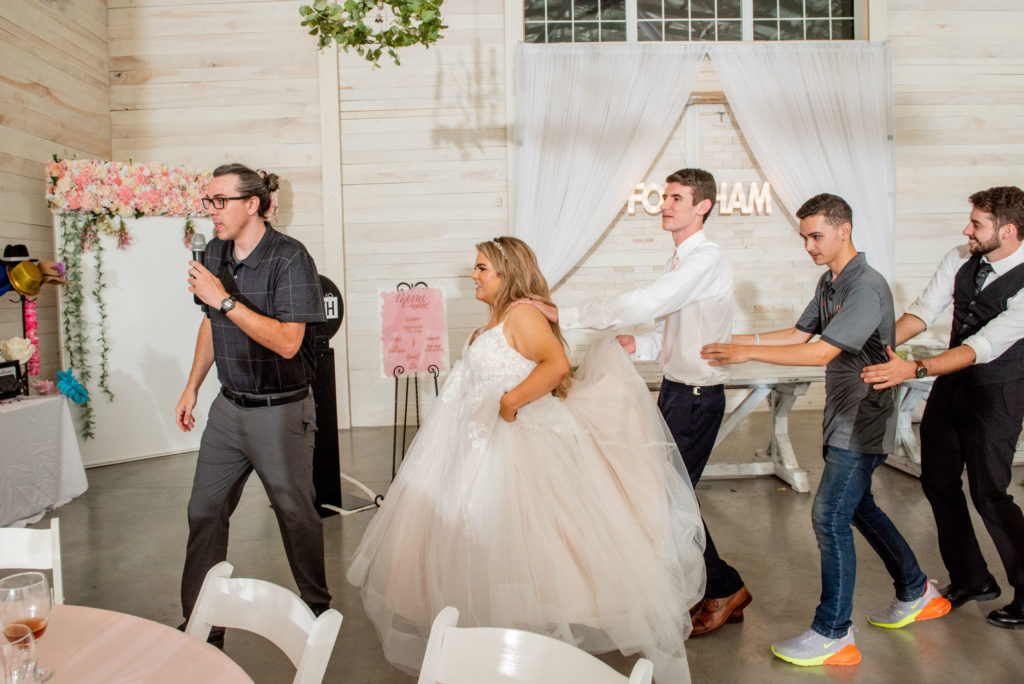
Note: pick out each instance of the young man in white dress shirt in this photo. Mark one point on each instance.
(692, 303)
(974, 412)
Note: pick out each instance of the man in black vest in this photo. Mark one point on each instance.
(974, 413)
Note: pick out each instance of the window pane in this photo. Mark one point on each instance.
(730, 30)
(613, 32)
(613, 9)
(648, 30)
(702, 30)
(790, 30)
(559, 32)
(766, 8)
(816, 8)
(534, 33)
(584, 9)
(842, 30)
(588, 32)
(702, 8)
(559, 9)
(533, 9)
(817, 30)
(648, 9)
(791, 8)
(766, 30)
(677, 30)
(842, 8)
(729, 9)
(677, 9)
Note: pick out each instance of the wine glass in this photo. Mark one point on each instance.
(20, 654)
(25, 599)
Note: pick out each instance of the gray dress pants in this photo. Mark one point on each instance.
(276, 442)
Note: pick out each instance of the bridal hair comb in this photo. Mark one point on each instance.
(500, 248)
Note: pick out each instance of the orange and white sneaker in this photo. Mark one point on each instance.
(902, 613)
(811, 648)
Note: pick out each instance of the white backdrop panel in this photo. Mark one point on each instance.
(152, 326)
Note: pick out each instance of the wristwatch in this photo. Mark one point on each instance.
(227, 305)
(921, 370)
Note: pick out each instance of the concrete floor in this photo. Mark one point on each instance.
(123, 543)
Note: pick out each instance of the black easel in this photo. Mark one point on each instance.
(398, 371)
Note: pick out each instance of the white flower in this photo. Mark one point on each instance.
(17, 349)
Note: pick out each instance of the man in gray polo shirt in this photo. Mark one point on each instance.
(259, 290)
(852, 311)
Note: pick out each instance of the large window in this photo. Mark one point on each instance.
(583, 21)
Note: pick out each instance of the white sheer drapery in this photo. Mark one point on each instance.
(590, 119)
(817, 118)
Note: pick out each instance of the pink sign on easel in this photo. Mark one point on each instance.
(412, 331)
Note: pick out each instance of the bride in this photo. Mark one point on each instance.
(533, 501)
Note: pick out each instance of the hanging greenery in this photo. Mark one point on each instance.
(92, 198)
(373, 26)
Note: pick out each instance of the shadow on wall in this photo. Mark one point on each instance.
(474, 90)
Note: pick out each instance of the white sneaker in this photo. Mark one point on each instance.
(811, 648)
(902, 613)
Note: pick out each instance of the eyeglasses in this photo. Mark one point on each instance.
(219, 202)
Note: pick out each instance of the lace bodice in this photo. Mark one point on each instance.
(492, 366)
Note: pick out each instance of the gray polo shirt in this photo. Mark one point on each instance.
(278, 280)
(855, 313)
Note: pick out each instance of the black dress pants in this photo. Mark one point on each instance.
(693, 416)
(973, 427)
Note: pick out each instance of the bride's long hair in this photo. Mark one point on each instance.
(516, 265)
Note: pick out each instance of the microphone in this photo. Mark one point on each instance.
(198, 253)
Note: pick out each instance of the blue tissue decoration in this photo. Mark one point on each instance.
(69, 385)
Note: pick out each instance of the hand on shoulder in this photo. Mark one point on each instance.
(549, 311)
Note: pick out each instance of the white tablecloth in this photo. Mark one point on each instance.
(40, 465)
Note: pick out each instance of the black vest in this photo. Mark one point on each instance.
(970, 314)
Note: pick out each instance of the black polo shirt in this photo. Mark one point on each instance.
(854, 312)
(278, 279)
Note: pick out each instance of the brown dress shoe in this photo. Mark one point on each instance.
(695, 607)
(714, 613)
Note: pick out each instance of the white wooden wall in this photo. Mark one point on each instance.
(54, 98)
(207, 82)
(425, 178)
(423, 161)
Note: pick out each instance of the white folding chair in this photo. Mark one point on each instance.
(271, 611)
(27, 549)
(491, 655)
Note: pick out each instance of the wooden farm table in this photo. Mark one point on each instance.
(781, 385)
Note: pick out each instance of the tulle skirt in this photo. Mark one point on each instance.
(577, 520)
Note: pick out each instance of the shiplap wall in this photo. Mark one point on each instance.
(54, 98)
(424, 175)
(958, 82)
(203, 82)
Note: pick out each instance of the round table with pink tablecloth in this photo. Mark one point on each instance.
(84, 645)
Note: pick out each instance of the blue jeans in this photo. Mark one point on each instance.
(844, 496)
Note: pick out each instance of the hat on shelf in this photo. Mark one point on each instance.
(15, 253)
(25, 277)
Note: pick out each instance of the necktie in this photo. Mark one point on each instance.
(664, 332)
(984, 268)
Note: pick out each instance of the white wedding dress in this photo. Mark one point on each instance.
(572, 521)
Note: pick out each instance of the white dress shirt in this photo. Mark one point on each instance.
(1000, 333)
(693, 307)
